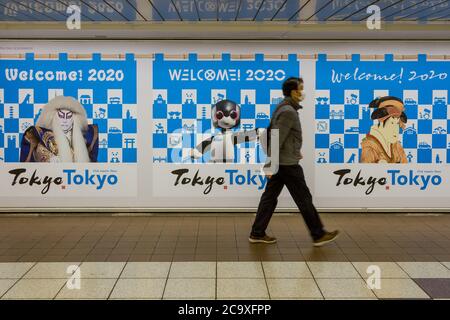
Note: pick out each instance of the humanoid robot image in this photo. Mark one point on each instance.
(226, 115)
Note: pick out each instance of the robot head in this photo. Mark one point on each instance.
(226, 114)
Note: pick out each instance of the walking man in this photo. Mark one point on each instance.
(290, 173)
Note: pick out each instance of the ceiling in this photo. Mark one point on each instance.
(224, 18)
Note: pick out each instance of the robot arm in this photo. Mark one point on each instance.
(245, 136)
(201, 148)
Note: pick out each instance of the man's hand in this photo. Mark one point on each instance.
(267, 171)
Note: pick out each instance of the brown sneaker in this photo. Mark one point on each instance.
(264, 239)
(326, 238)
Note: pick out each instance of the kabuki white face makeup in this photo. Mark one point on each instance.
(65, 119)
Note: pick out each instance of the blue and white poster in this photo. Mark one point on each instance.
(68, 116)
(184, 95)
(382, 120)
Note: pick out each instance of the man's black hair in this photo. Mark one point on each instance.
(290, 84)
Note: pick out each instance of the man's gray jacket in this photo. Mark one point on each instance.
(285, 118)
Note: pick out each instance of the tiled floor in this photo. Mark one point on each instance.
(209, 257)
(222, 280)
(365, 237)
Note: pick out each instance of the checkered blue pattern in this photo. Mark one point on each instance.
(342, 116)
(182, 108)
(110, 105)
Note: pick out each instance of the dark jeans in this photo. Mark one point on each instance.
(294, 179)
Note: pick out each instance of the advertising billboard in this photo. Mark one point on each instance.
(68, 126)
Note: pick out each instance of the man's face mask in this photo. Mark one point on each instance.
(302, 96)
(298, 94)
(65, 119)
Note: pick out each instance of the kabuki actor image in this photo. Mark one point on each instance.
(381, 144)
(61, 134)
